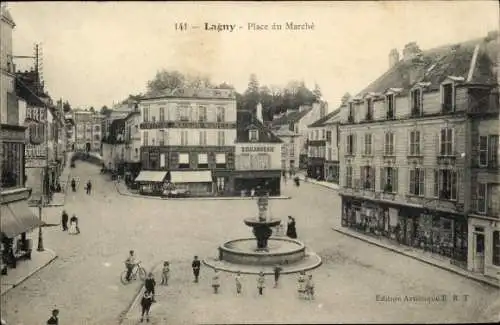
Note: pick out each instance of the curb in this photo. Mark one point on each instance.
(319, 184)
(215, 198)
(471, 277)
(124, 314)
(54, 256)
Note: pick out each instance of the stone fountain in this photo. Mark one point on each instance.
(264, 251)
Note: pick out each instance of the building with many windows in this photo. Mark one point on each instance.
(132, 145)
(113, 147)
(88, 127)
(419, 153)
(188, 140)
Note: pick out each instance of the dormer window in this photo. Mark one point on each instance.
(416, 102)
(389, 99)
(369, 109)
(253, 135)
(350, 117)
(447, 98)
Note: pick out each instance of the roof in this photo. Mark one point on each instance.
(28, 94)
(247, 121)
(322, 121)
(7, 17)
(116, 132)
(291, 117)
(435, 65)
(132, 114)
(205, 93)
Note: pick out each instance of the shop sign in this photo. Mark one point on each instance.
(257, 149)
(35, 163)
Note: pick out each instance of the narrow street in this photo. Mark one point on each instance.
(84, 281)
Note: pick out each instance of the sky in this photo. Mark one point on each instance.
(97, 53)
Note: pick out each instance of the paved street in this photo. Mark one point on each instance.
(84, 281)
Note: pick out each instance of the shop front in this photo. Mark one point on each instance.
(484, 245)
(197, 182)
(151, 182)
(316, 168)
(223, 182)
(248, 182)
(332, 171)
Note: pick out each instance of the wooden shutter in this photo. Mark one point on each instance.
(373, 177)
(411, 181)
(354, 146)
(422, 181)
(436, 183)
(395, 180)
(382, 179)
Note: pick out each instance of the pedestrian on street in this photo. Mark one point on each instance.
(196, 265)
(237, 280)
(73, 185)
(89, 187)
(130, 263)
(165, 273)
(75, 229)
(216, 281)
(291, 231)
(277, 273)
(54, 319)
(146, 301)
(310, 287)
(261, 283)
(64, 220)
(301, 284)
(150, 284)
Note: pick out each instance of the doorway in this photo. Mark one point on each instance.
(87, 147)
(478, 259)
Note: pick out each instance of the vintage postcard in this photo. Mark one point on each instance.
(250, 162)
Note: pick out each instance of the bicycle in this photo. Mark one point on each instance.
(137, 271)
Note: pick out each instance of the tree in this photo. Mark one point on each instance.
(317, 93)
(225, 85)
(105, 111)
(91, 109)
(66, 107)
(251, 95)
(166, 80)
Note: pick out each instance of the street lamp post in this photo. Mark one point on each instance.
(40, 235)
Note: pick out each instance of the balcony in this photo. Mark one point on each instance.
(390, 114)
(447, 108)
(446, 159)
(416, 112)
(480, 105)
(350, 119)
(369, 117)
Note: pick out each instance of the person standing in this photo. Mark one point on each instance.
(150, 284)
(277, 272)
(64, 220)
(301, 284)
(75, 229)
(261, 283)
(89, 187)
(216, 281)
(310, 287)
(130, 263)
(165, 273)
(54, 319)
(146, 301)
(196, 265)
(237, 280)
(73, 185)
(291, 231)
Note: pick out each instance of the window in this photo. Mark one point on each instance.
(493, 151)
(184, 137)
(389, 144)
(220, 138)
(368, 144)
(390, 105)
(481, 205)
(12, 164)
(416, 102)
(202, 160)
(483, 151)
(183, 160)
(220, 160)
(292, 148)
(329, 153)
(446, 140)
(316, 135)
(329, 136)
(368, 178)
(254, 135)
(183, 113)
(350, 118)
(162, 160)
(221, 114)
(161, 137)
(202, 114)
(203, 138)
(447, 184)
(221, 184)
(348, 176)
(97, 128)
(389, 180)
(323, 134)
(417, 182)
(162, 114)
(415, 143)
(291, 126)
(260, 161)
(96, 137)
(496, 248)
(369, 109)
(146, 113)
(136, 150)
(145, 138)
(447, 93)
(351, 144)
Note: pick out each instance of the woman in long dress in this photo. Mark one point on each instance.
(290, 230)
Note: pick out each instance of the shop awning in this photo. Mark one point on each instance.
(17, 218)
(151, 176)
(191, 176)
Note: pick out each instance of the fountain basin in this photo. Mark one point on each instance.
(255, 222)
(279, 251)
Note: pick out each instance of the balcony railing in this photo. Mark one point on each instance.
(446, 107)
(390, 114)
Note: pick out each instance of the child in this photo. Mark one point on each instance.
(310, 287)
(277, 273)
(216, 281)
(260, 283)
(237, 280)
(146, 301)
(165, 272)
(301, 285)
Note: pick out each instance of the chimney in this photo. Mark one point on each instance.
(410, 51)
(259, 112)
(393, 58)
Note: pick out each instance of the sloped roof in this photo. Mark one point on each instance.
(436, 64)
(245, 121)
(7, 16)
(116, 132)
(291, 117)
(207, 93)
(322, 121)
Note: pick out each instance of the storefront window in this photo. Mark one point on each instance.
(496, 248)
(12, 162)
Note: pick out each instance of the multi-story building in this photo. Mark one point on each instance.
(257, 157)
(321, 148)
(88, 135)
(17, 219)
(119, 111)
(409, 160)
(291, 128)
(113, 147)
(188, 139)
(132, 144)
